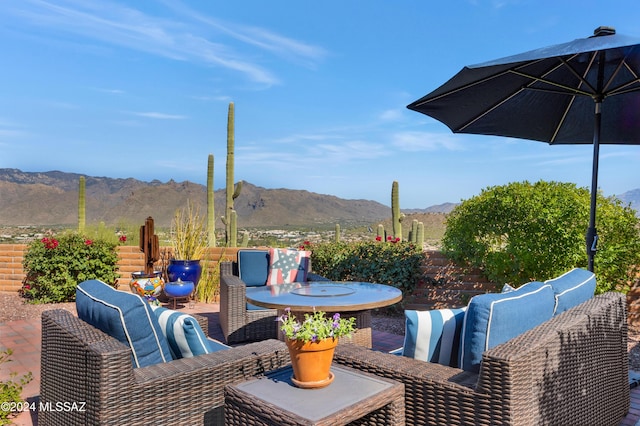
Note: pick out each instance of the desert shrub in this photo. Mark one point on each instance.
(393, 263)
(208, 288)
(123, 233)
(55, 265)
(521, 231)
(11, 390)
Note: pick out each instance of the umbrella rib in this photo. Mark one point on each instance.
(566, 89)
(478, 117)
(622, 88)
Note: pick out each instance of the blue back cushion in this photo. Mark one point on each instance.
(126, 317)
(433, 336)
(186, 338)
(494, 318)
(253, 267)
(572, 288)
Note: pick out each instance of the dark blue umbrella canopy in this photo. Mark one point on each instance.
(586, 91)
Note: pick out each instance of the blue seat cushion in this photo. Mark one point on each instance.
(126, 317)
(184, 334)
(433, 336)
(253, 267)
(494, 318)
(572, 288)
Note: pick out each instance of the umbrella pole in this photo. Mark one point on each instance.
(592, 233)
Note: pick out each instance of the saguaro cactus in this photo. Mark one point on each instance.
(211, 217)
(413, 234)
(337, 236)
(81, 205)
(420, 236)
(244, 242)
(396, 217)
(231, 192)
(380, 231)
(233, 229)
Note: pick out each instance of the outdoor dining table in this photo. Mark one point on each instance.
(349, 298)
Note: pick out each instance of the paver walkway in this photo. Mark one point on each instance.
(23, 337)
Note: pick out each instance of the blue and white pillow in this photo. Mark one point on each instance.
(572, 288)
(186, 338)
(126, 317)
(433, 336)
(495, 318)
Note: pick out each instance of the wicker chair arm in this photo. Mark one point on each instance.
(99, 373)
(571, 369)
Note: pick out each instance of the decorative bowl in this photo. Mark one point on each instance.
(149, 285)
(178, 288)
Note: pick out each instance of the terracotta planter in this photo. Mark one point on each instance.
(312, 362)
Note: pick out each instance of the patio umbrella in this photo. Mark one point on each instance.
(586, 91)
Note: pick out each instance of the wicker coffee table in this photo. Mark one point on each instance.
(353, 395)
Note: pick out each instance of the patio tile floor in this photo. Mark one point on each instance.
(23, 337)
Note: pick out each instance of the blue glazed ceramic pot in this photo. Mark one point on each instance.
(184, 270)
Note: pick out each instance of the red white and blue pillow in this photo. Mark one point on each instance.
(287, 266)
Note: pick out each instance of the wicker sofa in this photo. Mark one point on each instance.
(81, 364)
(569, 370)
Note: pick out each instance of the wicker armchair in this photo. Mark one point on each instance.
(80, 364)
(238, 323)
(570, 370)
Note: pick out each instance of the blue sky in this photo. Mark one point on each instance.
(141, 89)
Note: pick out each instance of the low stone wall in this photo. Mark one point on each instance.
(131, 259)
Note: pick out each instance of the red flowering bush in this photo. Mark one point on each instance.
(390, 239)
(55, 266)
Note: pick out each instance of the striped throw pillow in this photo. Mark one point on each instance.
(433, 336)
(186, 338)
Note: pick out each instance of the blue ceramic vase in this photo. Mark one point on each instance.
(185, 270)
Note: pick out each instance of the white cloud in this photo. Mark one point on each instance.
(182, 38)
(160, 115)
(391, 115)
(415, 141)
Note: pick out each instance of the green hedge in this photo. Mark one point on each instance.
(393, 263)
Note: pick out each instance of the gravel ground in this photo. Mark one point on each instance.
(12, 308)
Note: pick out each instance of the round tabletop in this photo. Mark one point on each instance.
(324, 296)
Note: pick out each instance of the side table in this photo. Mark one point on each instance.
(354, 396)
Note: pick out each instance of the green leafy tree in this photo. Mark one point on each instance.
(521, 232)
(55, 265)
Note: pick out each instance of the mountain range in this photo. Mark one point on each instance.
(51, 198)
